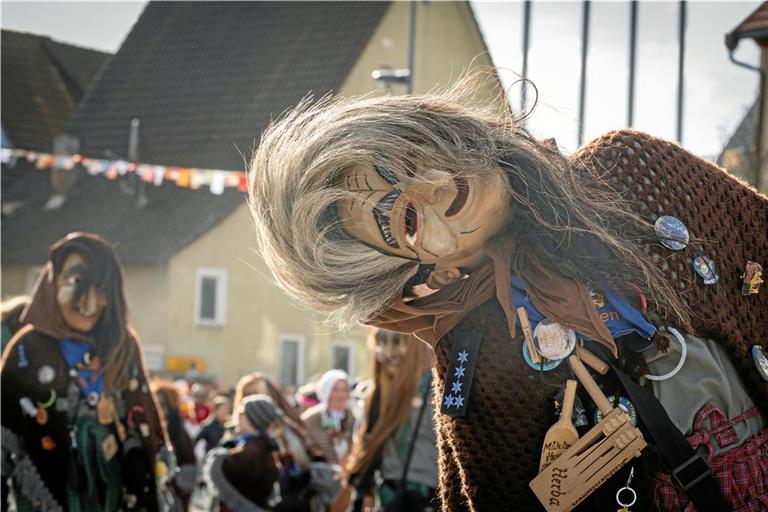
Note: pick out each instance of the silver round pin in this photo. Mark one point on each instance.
(133, 384)
(93, 398)
(554, 341)
(46, 374)
(672, 233)
(761, 360)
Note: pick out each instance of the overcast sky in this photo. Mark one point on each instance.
(718, 92)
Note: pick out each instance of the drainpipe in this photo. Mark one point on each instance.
(731, 42)
(526, 48)
(583, 81)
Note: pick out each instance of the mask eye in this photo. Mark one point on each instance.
(411, 223)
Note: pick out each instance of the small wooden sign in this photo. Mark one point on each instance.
(562, 435)
(597, 456)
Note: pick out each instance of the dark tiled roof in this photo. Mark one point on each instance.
(173, 218)
(78, 66)
(42, 83)
(205, 77)
(755, 26)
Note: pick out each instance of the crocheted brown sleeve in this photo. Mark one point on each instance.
(727, 221)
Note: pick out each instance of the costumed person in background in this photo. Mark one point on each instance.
(330, 422)
(81, 430)
(439, 215)
(243, 474)
(388, 438)
(213, 430)
(168, 397)
(259, 383)
(11, 310)
(292, 486)
(298, 452)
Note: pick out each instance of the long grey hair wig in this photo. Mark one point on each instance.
(294, 187)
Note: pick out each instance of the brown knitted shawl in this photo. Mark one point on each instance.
(488, 457)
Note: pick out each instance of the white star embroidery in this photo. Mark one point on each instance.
(456, 387)
(463, 355)
(459, 372)
(458, 401)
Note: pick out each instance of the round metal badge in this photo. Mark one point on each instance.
(547, 366)
(705, 267)
(93, 398)
(761, 360)
(46, 374)
(133, 384)
(672, 232)
(624, 404)
(554, 341)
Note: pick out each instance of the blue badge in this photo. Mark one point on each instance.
(545, 366)
(23, 363)
(705, 267)
(672, 232)
(624, 404)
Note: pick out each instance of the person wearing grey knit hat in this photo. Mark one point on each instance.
(257, 412)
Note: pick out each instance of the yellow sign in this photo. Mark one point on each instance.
(183, 364)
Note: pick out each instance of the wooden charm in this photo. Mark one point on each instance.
(528, 333)
(562, 435)
(597, 456)
(591, 360)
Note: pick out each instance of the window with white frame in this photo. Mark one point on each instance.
(292, 360)
(211, 296)
(342, 357)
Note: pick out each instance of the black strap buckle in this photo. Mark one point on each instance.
(691, 472)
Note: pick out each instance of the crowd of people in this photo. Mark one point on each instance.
(86, 427)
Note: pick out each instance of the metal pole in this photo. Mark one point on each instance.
(411, 45)
(681, 71)
(526, 47)
(632, 62)
(583, 86)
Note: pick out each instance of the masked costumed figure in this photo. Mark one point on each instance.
(81, 430)
(440, 216)
(397, 436)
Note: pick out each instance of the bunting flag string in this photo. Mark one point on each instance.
(216, 180)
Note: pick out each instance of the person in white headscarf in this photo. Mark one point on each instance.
(330, 423)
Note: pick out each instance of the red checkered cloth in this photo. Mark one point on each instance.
(741, 473)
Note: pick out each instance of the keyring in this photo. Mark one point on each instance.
(49, 402)
(634, 497)
(683, 355)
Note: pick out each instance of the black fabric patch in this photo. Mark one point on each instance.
(461, 368)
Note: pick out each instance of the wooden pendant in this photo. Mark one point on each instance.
(597, 456)
(562, 435)
(522, 315)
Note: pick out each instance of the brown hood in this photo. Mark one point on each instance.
(44, 312)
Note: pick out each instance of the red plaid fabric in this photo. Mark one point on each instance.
(742, 473)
